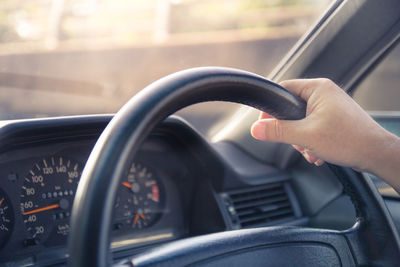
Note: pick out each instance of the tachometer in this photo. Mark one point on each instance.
(139, 202)
(6, 218)
(46, 199)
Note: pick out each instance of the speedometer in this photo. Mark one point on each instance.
(139, 202)
(46, 200)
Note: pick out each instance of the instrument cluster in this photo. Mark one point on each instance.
(38, 186)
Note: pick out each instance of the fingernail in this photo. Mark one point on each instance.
(307, 157)
(311, 157)
(258, 130)
(319, 162)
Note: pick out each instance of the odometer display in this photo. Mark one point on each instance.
(46, 200)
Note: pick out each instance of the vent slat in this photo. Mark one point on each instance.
(251, 212)
(260, 202)
(260, 209)
(265, 216)
(258, 206)
(280, 212)
(249, 197)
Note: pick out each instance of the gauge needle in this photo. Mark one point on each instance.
(126, 184)
(137, 218)
(1, 202)
(42, 209)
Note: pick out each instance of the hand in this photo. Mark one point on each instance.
(309, 156)
(335, 129)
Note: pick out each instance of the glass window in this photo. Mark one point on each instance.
(380, 91)
(66, 57)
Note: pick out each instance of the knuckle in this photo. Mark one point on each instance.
(284, 83)
(326, 82)
(278, 131)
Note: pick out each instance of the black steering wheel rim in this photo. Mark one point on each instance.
(91, 215)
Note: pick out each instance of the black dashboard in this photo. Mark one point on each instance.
(177, 186)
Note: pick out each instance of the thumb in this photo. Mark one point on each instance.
(274, 130)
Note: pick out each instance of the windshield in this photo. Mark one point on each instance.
(69, 57)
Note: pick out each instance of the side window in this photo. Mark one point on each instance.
(380, 91)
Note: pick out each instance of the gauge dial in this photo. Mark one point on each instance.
(46, 200)
(6, 218)
(139, 202)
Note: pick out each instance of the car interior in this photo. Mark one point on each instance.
(152, 186)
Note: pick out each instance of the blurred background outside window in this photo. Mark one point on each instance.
(66, 57)
(380, 90)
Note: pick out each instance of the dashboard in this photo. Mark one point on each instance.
(39, 178)
(177, 186)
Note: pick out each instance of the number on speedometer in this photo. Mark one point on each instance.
(46, 200)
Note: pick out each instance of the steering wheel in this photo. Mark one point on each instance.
(372, 240)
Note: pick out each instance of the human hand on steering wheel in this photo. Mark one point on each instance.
(336, 129)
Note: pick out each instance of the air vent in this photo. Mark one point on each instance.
(259, 206)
